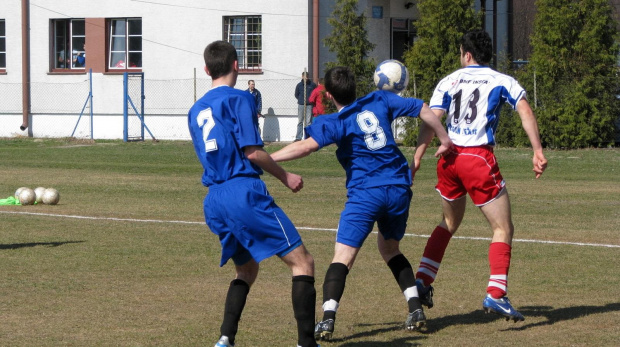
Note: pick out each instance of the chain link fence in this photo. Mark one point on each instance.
(62, 110)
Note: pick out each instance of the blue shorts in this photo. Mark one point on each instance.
(386, 205)
(248, 222)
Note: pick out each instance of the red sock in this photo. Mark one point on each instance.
(433, 254)
(499, 262)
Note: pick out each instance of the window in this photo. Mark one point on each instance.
(69, 40)
(245, 34)
(125, 44)
(2, 45)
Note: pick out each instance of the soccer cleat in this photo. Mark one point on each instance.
(502, 307)
(426, 294)
(324, 330)
(416, 320)
(224, 342)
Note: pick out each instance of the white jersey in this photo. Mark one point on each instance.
(473, 97)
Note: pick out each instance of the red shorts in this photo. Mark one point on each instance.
(469, 170)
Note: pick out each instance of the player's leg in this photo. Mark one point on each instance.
(453, 212)
(333, 288)
(403, 273)
(498, 213)
(303, 293)
(301, 113)
(235, 301)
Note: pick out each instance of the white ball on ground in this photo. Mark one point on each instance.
(19, 191)
(27, 196)
(38, 192)
(50, 196)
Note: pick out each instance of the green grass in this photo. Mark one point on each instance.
(136, 266)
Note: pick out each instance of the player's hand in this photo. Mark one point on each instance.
(294, 182)
(444, 148)
(540, 163)
(415, 166)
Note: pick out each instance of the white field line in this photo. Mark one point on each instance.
(301, 228)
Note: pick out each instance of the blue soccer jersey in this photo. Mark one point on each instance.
(363, 132)
(221, 124)
(473, 97)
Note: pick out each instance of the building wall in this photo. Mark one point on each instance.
(173, 40)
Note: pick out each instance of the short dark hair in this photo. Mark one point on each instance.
(219, 57)
(340, 83)
(479, 44)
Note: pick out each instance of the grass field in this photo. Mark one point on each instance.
(125, 258)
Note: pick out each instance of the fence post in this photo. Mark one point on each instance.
(125, 115)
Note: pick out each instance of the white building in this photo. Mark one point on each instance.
(45, 78)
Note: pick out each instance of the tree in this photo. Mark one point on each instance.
(349, 40)
(435, 53)
(575, 58)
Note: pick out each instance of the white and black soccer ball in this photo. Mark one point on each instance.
(50, 196)
(391, 75)
(27, 196)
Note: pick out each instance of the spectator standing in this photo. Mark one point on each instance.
(316, 98)
(304, 108)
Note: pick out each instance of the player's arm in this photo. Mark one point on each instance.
(258, 156)
(528, 120)
(425, 135)
(296, 150)
(433, 122)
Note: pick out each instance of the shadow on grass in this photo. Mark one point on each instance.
(34, 244)
(562, 314)
(408, 341)
(475, 317)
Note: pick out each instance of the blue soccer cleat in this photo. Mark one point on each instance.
(501, 307)
(224, 342)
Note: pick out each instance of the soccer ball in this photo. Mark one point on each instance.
(50, 196)
(27, 196)
(38, 192)
(391, 75)
(19, 190)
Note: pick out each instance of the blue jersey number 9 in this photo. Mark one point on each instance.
(369, 124)
(207, 123)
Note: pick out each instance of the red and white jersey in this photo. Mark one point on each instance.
(473, 97)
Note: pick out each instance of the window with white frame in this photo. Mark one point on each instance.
(245, 33)
(125, 49)
(2, 45)
(69, 40)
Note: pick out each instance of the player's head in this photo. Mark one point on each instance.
(477, 43)
(251, 84)
(340, 84)
(220, 57)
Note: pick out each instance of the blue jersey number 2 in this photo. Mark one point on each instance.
(374, 134)
(207, 123)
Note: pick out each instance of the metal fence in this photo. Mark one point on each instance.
(58, 106)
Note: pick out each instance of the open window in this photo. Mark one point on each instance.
(68, 44)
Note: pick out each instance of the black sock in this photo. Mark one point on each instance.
(403, 273)
(333, 287)
(304, 301)
(235, 302)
